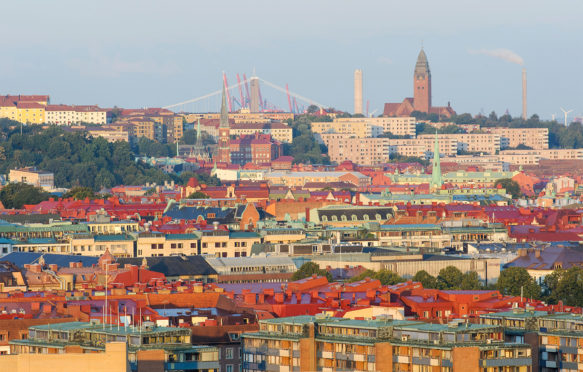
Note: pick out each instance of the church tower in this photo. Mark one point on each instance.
(224, 153)
(422, 84)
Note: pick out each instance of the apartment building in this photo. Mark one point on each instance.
(366, 127)
(23, 108)
(33, 176)
(256, 148)
(222, 243)
(113, 227)
(174, 127)
(69, 115)
(149, 128)
(120, 245)
(363, 151)
(278, 131)
(243, 116)
(487, 143)
(533, 157)
(289, 178)
(164, 245)
(320, 343)
(556, 339)
(111, 133)
(92, 347)
(30, 113)
(536, 138)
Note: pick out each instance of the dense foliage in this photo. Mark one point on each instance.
(512, 187)
(386, 277)
(515, 281)
(80, 193)
(308, 269)
(15, 195)
(75, 159)
(304, 147)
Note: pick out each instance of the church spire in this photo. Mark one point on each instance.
(198, 134)
(436, 180)
(422, 65)
(224, 122)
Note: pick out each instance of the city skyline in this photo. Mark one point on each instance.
(130, 57)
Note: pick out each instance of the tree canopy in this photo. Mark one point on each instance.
(16, 195)
(308, 269)
(76, 159)
(80, 193)
(512, 187)
(512, 279)
(304, 147)
(386, 277)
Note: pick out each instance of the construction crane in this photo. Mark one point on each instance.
(367, 107)
(227, 92)
(296, 111)
(240, 90)
(288, 99)
(248, 100)
(235, 100)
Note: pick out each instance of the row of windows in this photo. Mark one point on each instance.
(354, 217)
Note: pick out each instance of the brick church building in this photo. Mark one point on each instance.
(421, 100)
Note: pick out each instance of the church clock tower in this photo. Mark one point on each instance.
(422, 84)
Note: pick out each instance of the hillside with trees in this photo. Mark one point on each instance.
(76, 159)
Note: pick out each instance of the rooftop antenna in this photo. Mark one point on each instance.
(566, 114)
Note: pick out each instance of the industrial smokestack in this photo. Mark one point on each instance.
(358, 91)
(255, 99)
(524, 93)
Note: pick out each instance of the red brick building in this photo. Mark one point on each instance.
(421, 100)
(256, 149)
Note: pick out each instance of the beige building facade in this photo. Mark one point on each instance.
(536, 138)
(33, 176)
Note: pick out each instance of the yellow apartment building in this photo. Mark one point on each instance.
(113, 227)
(30, 113)
(160, 245)
(95, 245)
(223, 243)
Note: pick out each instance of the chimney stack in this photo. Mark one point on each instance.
(524, 117)
(358, 91)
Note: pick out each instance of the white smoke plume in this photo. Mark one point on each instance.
(503, 54)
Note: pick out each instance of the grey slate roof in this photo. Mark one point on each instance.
(173, 265)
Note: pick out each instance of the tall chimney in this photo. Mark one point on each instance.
(358, 91)
(255, 100)
(524, 93)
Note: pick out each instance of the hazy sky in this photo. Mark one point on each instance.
(156, 53)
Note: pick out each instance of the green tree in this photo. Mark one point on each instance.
(386, 277)
(512, 279)
(427, 280)
(312, 109)
(569, 287)
(551, 283)
(449, 278)
(470, 281)
(198, 195)
(308, 269)
(512, 187)
(16, 195)
(80, 193)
